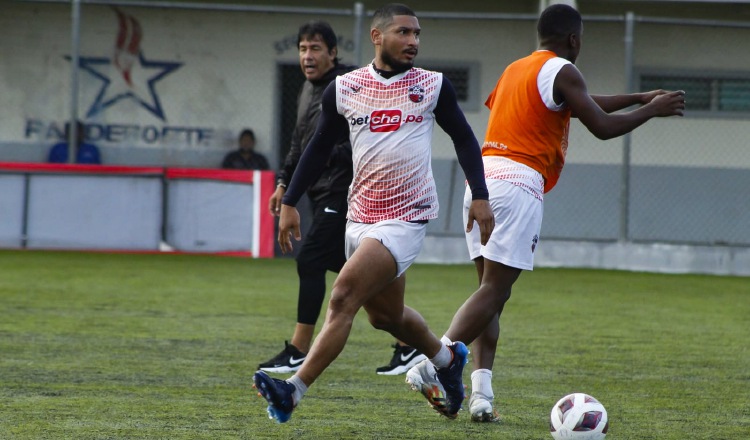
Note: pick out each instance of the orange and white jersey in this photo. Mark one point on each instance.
(523, 176)
(525, 124)
(391, 122)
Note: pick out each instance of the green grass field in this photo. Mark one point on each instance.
(101, 346)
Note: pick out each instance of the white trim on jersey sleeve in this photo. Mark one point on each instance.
(545, 82)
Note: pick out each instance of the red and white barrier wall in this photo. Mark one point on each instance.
(122, 208)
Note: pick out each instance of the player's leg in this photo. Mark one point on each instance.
(483, 353)
(312, 289)
(484, 305)
(484, 348)
(485, 345)
(329, 232)
(369, 269)
(482, 309)
(439, 378)
(518, 221)
(478, 316)
(481, 406)
(322, 251)
(404, 355)
(386, 311)
(477, 321)
(311, 273)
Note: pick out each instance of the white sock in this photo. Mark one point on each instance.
(481, 381)
(446, 341)
(443, 357)
(299, 389)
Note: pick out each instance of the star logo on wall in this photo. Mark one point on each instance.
(138, 86)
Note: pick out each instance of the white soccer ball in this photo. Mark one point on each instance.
(578, 416)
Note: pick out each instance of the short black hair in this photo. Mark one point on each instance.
(558, 21)
(384, 15)
(318, 27)
(247, 132)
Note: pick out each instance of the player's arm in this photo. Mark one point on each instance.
(450, 118)
(329, 130)
(292, 157)
(613, 103)
(571, 87)
(286, 171)
(331, 126)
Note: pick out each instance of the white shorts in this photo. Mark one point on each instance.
(518, 220)
(402, 239)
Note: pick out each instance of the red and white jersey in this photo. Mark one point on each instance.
(391, 123)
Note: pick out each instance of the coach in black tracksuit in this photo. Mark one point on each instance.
(323, 246)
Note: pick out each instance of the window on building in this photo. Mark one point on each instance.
(465, 79)
(714, 94)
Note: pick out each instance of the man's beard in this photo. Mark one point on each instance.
(397, 66)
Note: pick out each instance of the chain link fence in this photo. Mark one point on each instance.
(162, 85)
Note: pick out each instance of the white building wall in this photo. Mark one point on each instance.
(227, 77)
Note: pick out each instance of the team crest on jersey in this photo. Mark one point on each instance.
(416, 93)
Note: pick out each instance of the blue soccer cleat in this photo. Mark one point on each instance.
(443, 387)
(450, 378)
(278, 394)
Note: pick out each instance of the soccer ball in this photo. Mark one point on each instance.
(578, 416)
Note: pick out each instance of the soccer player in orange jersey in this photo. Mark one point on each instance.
(524, 152)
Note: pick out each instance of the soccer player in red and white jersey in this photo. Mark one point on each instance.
(389, 109)
(524, 152)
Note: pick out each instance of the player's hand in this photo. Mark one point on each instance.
(288, 227)
(274, 203)
(647, 97)
(481, 212)
(669, 104)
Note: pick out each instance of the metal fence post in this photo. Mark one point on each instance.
(359, 13)
(626, 140)
(74, 55)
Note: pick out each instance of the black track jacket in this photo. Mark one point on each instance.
(338, 172)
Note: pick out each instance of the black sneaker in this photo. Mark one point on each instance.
(404, 357)
(288, 361)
